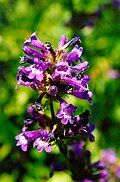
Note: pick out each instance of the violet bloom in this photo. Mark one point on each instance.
(32, 75)
(63, 40)
(80, 87)
(25, 138)
(109, 156)
(113, 74)
(65, 112)
(75, 54)
(34, 113)
(62, 70)
(81, 66)
(53, 74)
(35, 73)
(33, 47)
(104, 174)
(41, 140)
(41, 144)
(22, 141)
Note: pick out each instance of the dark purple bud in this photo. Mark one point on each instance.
(53, 90)
(34, 114)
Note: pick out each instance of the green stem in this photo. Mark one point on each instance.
(52, 112)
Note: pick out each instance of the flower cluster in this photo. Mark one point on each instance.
(53, 74)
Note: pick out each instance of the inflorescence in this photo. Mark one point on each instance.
(54, 74)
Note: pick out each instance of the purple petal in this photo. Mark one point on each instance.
(71, 42)
(62, 70)
(48, 148)
(33, 41)
(75, 54)
(32, 134)
(109, 156)
(34, 114)
(65, 112)
(62, 41)
(33, 52)
(85, 94)
(73, 82)
(26, 59)
(24, 147)
(82, 66)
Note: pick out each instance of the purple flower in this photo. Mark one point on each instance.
(30, 76)
(32, 72)
(34, 113)
(82, 94)
(62, 41)
(53, 73)
(80, 87)
(104, 175)
(65, 112)
(40, 144)
(78, 83)
(22, 141)
(113, 74)
(75, 40)
(33, 47)
(75, 54)
(81, 66)
(25, 138)
(41, 140)
(62, 70)
(109, 156)
(79, 126)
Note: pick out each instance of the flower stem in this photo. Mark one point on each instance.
(52, 111)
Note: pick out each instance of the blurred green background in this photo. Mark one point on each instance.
(97, 23)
